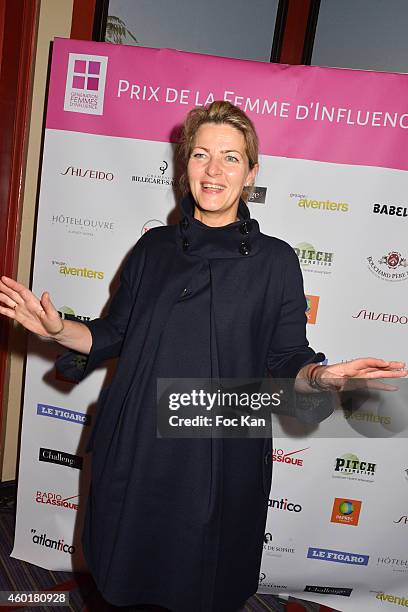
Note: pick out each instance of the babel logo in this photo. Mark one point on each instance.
(85, 84)
(346, 511)
(311, 309)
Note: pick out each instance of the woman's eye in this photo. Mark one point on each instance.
(232, 158)
(198, 155)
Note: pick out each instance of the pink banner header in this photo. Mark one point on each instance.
(324, 114)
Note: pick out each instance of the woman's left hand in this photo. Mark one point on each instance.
(337, 376)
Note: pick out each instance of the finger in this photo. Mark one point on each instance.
(369, 362)
(14, 295)
(47, 304)
(8, 312)
(7, 301)
(387, 374)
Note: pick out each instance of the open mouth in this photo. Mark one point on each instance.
(212, 187)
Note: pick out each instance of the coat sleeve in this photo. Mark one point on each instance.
(108, 332)
(289, 349)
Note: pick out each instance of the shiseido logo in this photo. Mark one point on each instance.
(390, 267)
(100, 175)
(383, 317)
(391, 210)
(403, 520)
(50, 455)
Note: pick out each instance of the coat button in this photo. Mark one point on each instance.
(184, 292)
(267, 458)
(245, 248)
(184, 223)
(245, 227)
(186, 244)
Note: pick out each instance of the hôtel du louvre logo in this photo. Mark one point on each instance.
(85, 84)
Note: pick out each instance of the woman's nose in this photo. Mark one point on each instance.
(213, 167)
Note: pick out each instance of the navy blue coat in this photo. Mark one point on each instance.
(180, 523)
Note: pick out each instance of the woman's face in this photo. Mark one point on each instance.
(218, 169)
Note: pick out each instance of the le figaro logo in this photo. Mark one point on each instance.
(64, 414)
(280, 456)
(313, 260)
(305, 202)
(391, 266)
(337, 556)
(43, 540)
(50, 498)
(350, 467)
(86, 273)
(85, 83)
(346, 511)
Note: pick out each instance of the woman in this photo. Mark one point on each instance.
(180, 523)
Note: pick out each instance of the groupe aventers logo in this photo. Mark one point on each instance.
(85, 83)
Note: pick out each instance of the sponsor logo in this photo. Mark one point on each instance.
(403, 520)
(150, 224)
(396, 565)
(86, 273)
(85, 83)
(368, 417)
(82, 226)
(384, 317)
(313, 260)
(337, 556)
(67, 310)
(156, 180)
(64, 414)
(55, 499)
(305, 202)
(258, 195)
(399, 600)
(60, 545)
(100, 175)
(391, 210)
(346, 511)
(324, 590)
(274, 550)
(311, 308)
(283, 504)
(390, 267)
(350, 467)
(279, 456)
(50, 455)
(263, 581)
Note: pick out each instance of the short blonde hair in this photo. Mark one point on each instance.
(219, 112)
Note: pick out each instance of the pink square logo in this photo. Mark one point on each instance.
(80, 66)
(94, 67)
(93, 84)
(78, 82)
(85, 84)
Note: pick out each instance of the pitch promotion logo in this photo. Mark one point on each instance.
(86, 273)
(403, 520)
(150, 224)
(383, 317)
(307, 203)
(50, 498)
(337, 556)
(64, 414)
(258, 195)
(67, 310)
(350, 467)
(313, 260)
(85, 83)
(274, 550)
(390, 267)
(346, 511)
(280, 456)
(312, 302)
(156, 179)
(394, 564)
(398, 600)
(325, 590)
(390, 209)
(43, 540)
(283, 504)
(50, 455)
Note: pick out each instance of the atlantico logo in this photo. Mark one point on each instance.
(50, 498)
(257, 195)
(383, 317)
(326, 205)
(60, 545)
(350, 467)
(63, 311)
(390, 267)
(394, 564)
(100, 175)
(403, 520)
(337, 556)
(280, 456)
(156, 180)
(313, 260)
(150, 225)
(50, 455)
(398, 600)
(86, 273)
(85, 83)
(346, 511)
(283, 504)
(325, 590)
(391, 210)
(64, 414)
(312, 302)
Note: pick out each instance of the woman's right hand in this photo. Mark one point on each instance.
(37, 315)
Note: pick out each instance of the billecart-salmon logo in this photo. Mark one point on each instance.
(85, 84)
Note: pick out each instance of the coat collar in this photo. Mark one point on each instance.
(235, 240)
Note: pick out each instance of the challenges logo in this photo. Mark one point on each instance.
(50, 455)
(390, 267)
(85, 84)
(313, 260)
(60, 545)
(346, 511)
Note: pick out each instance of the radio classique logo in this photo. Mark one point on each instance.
(280, 456)
(85, 84)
